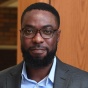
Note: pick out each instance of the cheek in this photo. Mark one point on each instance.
(52, 43)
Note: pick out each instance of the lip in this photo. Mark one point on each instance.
(37, 51)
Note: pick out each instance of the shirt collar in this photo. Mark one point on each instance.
(52, 71)
(50, 76)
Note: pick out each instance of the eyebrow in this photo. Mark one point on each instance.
(35, 27)
(29, 26)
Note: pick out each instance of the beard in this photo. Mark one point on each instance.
(38, 62)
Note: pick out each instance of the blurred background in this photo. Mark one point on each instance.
(8, 33)
(73, 44)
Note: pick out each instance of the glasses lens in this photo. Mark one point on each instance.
(47, 32)
(29, 32)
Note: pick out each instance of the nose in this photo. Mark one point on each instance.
(38, 38)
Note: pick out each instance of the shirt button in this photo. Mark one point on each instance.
(36, 86)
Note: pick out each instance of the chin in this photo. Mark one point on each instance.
(38, 60)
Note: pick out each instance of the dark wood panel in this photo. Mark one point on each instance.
(2, 1)
(7, 58)
(8, 26)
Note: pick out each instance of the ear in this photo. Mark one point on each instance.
(58, 35)
(20, 34)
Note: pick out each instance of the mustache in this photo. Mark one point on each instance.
(37, 47)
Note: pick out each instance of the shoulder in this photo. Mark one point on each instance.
(70, 68)
(74, 71)
(9, 72)
(13, 69)
(75, 75)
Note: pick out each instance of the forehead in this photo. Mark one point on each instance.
(39, 17)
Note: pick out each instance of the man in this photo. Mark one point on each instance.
(40, 67)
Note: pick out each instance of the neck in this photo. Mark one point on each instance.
(39, 73)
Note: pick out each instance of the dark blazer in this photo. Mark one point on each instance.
(66, 76)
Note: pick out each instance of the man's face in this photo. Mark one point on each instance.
(38, 51)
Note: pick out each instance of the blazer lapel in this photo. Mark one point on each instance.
(13, 81)
(14, 78)
(61, 79)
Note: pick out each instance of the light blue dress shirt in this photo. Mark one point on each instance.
(47, 82)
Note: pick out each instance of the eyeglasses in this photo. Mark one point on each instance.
(45, 32)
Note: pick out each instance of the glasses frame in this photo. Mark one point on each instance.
(38, 31)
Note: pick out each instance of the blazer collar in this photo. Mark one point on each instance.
(14, 77)
(62, 76)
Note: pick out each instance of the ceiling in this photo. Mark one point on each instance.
(8, 3)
